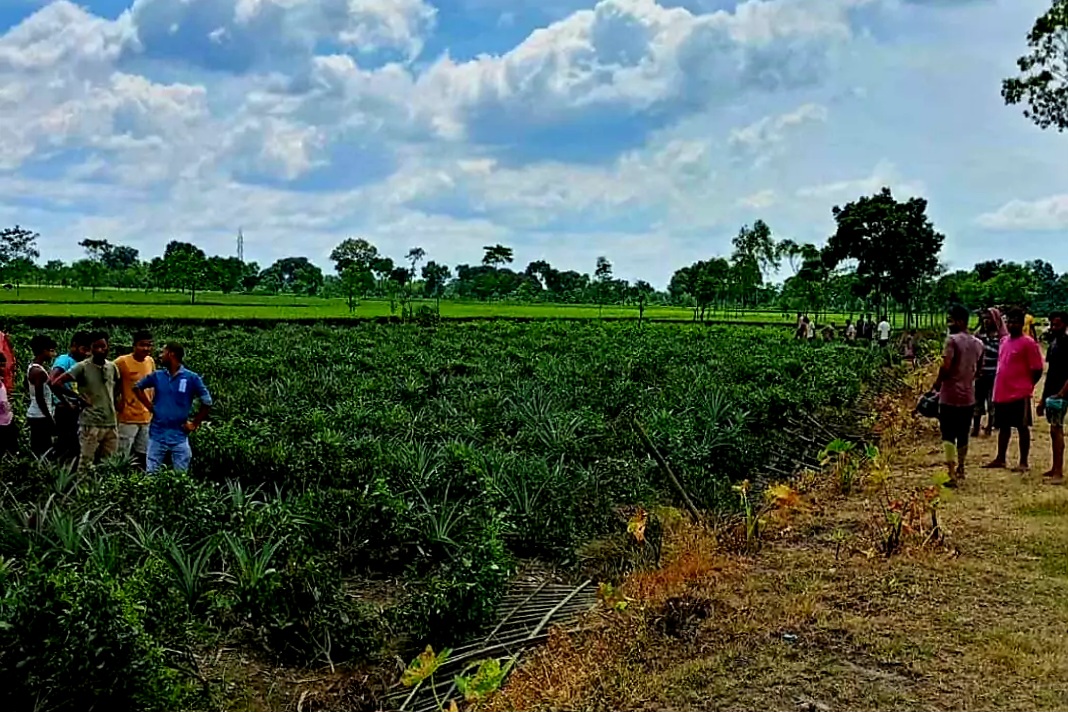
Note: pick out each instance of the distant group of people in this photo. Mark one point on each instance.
(993, 373)
(864, 330)
(84, 407)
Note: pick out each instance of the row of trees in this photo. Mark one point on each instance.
(882, 257)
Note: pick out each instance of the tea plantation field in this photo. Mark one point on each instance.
(372, 488)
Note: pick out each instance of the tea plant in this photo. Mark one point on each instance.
(429, 455)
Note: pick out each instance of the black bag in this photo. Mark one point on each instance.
(928, 405)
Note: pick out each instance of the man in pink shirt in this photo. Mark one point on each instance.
(961, 359)
(1020, 367)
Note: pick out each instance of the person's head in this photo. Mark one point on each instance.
(1058, 322)
(849, 322)
(1014, 322)
(99, 347)
(173, 355)
(957, 318)
(43, 347)
(804, 319)
(142, 345)
(81, 344)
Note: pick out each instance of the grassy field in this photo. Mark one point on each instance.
(816, 622)
(73, 303)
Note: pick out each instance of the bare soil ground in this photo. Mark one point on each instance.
(818, 620)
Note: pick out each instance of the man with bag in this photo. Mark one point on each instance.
(1055, 393)
(961, 358)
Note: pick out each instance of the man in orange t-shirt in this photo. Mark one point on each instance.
(134, 418)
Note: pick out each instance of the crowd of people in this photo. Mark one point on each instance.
(84, 407)
(866, 329)
(993, 373)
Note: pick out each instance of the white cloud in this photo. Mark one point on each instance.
(59, 90)
(657, 183)
(885, 174)
(627, 58)
(235, 35)
(759, 200)
(1036, 215)
(62, 33)
(759, 141)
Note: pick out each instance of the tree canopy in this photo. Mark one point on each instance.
(1042, 85)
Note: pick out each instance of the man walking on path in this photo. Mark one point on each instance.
(1055, 393)
(134, 418)
(1019, 369)
(991, 332)
(961, 358)
(97, 380)
(884, 333)
(68, 406)
(39, 413)
(175, 389)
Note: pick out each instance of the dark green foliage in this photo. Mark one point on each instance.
(420, 461)
(1042, 85)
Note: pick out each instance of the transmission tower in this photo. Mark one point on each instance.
(240, 245)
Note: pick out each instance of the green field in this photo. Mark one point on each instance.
(360, 491)
(72, 303)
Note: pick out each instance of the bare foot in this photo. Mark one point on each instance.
(995, 465)
(1055, 480)
(1022, 468)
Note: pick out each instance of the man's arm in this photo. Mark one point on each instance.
(206, 403)
(61, 377)
(38, 378)
(1036, 362)
(148, 381)
(120, 402)
(948, 354)
(194, 422)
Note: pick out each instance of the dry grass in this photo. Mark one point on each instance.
(813, 623)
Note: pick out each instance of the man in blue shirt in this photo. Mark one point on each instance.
(66, 401)
(175, 389)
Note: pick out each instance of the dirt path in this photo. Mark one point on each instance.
(812, 622)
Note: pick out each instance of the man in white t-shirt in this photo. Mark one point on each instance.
(884, 332)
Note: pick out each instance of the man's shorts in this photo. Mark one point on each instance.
(1055, 409)
(133, 438)
(1014, 414)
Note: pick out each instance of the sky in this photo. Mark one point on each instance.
(648, 131)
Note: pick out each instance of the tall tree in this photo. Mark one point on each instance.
(119, 257)
(602, 275)
(54, 272)
(353, 260)
(97, 251)
(435, 277)
(185, 266)
(352, 251)
(894, 244)
(1042, 84)
(18, 253)
(497, 255)
(755, 253)
(294, 275)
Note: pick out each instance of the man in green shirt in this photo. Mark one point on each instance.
(98, 386)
